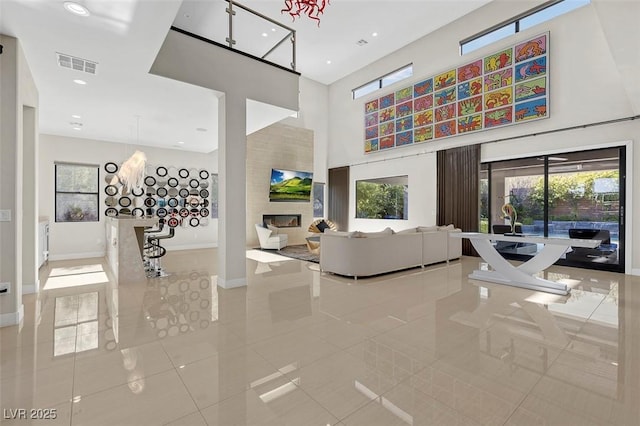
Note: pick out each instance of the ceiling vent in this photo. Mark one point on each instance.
(78, 64)
(361, 42)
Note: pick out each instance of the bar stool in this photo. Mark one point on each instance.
(154, 251)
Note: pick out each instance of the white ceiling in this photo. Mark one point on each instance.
(123, 103)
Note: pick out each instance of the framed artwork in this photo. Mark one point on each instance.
(318, 199)
(508, 87)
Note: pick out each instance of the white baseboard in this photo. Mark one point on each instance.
(12, 318)
(73, 256)
(635, 271)
(238, 282)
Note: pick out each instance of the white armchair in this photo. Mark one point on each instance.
(269, 241)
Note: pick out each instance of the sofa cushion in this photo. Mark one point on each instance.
(427, 228)
(384, 233)
(322, 226)
(449, 227)
(339, 233)
(407, 231)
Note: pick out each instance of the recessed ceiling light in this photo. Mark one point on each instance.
(76, 9)
(374, 34)
(180, 143)
(80, 82)
(273, 29)
(77, 128)
(328, 61)
(76, 116)
(264, 34)
(201, 129)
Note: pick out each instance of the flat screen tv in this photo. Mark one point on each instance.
(289, 185)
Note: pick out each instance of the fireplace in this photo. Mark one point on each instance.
(283, 220)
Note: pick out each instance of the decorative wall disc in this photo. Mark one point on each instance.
(161, 212)
(125, 211)
(194, 192)
(111, 212)
(204, 174)
(194, 183)
(184, 212)
(161, 171)
(172, 202)
(194, 202)
(195, 212)
(111, 179)
(204, 193)
(138, 192)
(204, 221)
(173, 222)
(183, 173)
(184, 183)
(124, 202)
(184, 192)
(111, 201)
(162, 192)
(150, 202)
(137, 212)
(111, 190)
(150, 212)
(151, 190)
(173, 182)
(162, 181)
(204, 184)
(111, 167)
(149, 181)
(138, 202)
(204, 212)
(173, 192)
(194, 221)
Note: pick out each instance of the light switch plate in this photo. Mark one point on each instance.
(5, 215)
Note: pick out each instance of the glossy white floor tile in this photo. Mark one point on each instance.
(299, 347)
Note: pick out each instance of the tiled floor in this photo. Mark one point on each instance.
(297, 347)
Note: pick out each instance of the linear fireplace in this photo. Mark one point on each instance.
(283, 220)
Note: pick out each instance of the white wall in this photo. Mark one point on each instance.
(421, 198)
(586, 86)
(80, 240)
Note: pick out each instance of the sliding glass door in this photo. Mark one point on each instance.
(572, 195)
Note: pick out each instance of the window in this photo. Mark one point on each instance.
(384, 198)
(76, 193)
(542, 13)
(384, 81)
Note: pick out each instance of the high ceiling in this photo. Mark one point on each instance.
(123, 103)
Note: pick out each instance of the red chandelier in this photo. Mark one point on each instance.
(312, 8)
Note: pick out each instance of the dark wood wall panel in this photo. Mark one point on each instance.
(458, 190)
(339, 197)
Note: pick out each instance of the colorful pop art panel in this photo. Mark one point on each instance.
(423, 103)
(387, 114)
(531, 69)
(445, 79)
(530, 110)
(404, 94)
(387, 101)
(531, 48)
(370, 107)
(387, 128)
(423, 88)
(423, 118)
(498, 79)
(469, 71)
(422, 134)
(498, 61)
(531, 89)
(470, 88)
(498, 98)
(404, 124)
(445, 112)
(469, 106)
(470, 123)
(371, 119)
(387, 142)
(447, 128)
(404, 138)
(404, 109)
(499, 117)
(371, 132)
(445, 96)
(371, 145)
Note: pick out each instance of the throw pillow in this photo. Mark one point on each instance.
(339, 233)
(322, 226)
(449, 227)
(407, 231)
(273, 229)
(427, 228)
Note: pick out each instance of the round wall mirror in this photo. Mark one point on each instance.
(111, 190)
(173, 182)
(149, 181)
(111, 201)
(161, 171)
(111, 212)
(183, 173)
(111, 167)
(124, 202)
(204, 174)
(162, 192)
(138, 192)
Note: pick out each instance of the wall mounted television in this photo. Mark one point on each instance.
(290, 185)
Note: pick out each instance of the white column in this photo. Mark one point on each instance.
(232, 204)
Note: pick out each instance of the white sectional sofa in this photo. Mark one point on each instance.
(361, 254)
